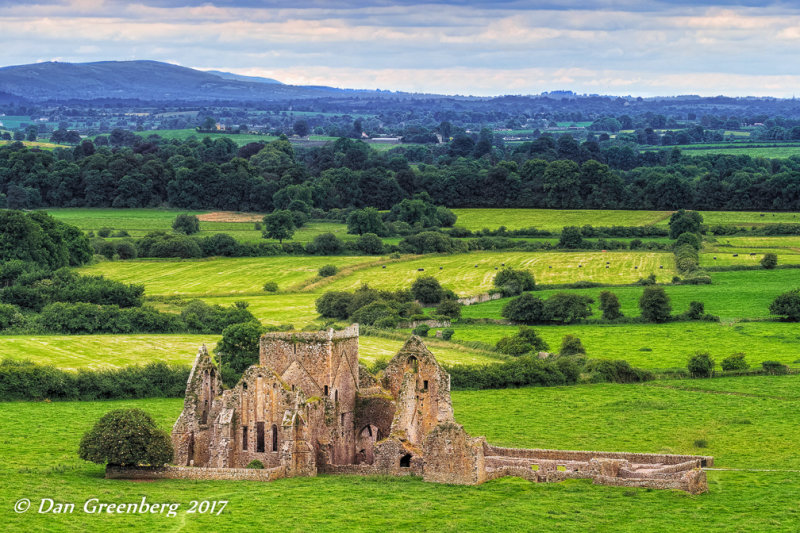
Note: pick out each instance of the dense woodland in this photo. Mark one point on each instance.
(549, 172)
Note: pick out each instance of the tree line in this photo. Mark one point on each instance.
(546, 173)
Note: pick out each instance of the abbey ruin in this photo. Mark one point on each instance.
(308, 407)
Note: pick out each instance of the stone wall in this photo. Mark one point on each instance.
(479, 299)
(185, 472)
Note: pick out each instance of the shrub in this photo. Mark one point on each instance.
(201, 317)
(255, 464)
(571, 345)
(372, 312)
(774, 367)
(512, 282)
(787, 305)
(696, 310)
(649, 280)
(525, 308)
(566, 307)
(427, 290)
(327, 270)
(615, 371)
(449, 308)
(524, 341)
(186, 224)
(9, 316)
(769, 261)
(609, 305)
(701, 365)
(334, 305)
(655, 304)
(692, 239)
(421, 330)
(571, 237)
(162, 244)
(126, 437)
(370, 243)
(526, 370)
(270, 286)
(325, 244)
(104, 232)
(684, 222)
(448, 333)
(735, 362)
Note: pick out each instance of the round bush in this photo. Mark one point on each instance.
(448, 333)
(255, 464)
(327, 270)
(701, 365)
(421, 330)
(769, 261)
(271, 286)
(126, 437)
(735, 362)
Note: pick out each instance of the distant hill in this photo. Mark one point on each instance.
(239, 77)
(146, 80)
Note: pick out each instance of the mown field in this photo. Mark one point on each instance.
(139, 222)
(460, 273)
(732, 295)
(659, 417)
(553, 219)
(74, 352)
(663, 346)
(221, 276)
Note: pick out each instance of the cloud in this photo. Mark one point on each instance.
(642, 47)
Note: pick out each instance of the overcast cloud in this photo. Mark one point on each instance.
(643, 47)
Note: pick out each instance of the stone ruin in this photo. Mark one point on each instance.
(308, 407)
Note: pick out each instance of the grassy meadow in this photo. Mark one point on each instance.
(139, 222)
(663, 346)
(659, 417)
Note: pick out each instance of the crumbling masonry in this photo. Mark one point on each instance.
(308, 407)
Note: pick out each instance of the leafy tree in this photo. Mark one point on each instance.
(696, 310)
(427, 290)
(449, 308)
(571, 237)
(769, 261)
(334, 305)
(367, 220)
(512, 282)
(369, 243)
(325, 244)
(300, 128)
(238, 348)
(126, 437)
(692, 239)
(525, 308)
(567, 307)
(701, 365)
(683, 221)
(609, 305)
(279, 225)
(787, 305)
(571, 345)
(655, 304)
(524, 341)
(186, 224)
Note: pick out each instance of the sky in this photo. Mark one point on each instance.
(622, 47)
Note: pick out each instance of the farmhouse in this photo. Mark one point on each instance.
(309, 407)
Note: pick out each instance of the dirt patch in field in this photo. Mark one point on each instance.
(230, 216)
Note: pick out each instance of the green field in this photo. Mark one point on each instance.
(139, 222)
(732, 295)
(459, 273)
(748, 218)
(553, 219)
(185, 134)
(220, 276)
(109, 351)
(663, 346)
(643, 418)
(776, 152)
